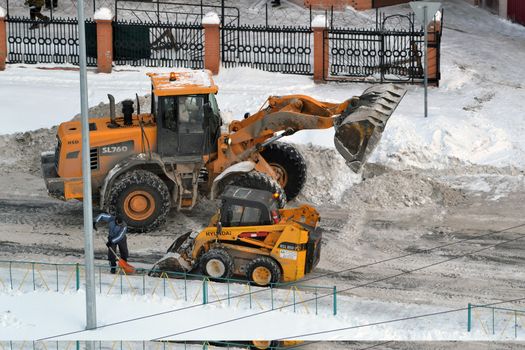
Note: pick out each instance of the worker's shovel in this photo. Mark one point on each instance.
(123, 264)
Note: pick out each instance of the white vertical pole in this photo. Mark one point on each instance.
(426, 59)
(91, 310)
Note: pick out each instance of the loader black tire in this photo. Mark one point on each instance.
(264, 265)
(259, 181)
(216, 258)
(148, 191)
(290, 164)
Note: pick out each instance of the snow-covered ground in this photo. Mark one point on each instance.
(145, 317)
(476, 117)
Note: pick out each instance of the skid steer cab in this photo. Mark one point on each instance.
(251, 237)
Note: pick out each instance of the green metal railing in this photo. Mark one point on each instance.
(195, 289)
(495, 321)
(136, 345)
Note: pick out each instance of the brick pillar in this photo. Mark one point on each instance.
(321, 50)
(434, 74)
(3, 42)
(212, 47)
(104, 45)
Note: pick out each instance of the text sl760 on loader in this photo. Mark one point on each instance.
(143, 164)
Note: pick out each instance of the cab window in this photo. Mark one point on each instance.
(237, 215)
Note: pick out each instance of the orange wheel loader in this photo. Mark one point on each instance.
(144, 164)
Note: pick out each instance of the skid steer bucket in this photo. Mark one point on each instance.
(178, 256)
(359, 128)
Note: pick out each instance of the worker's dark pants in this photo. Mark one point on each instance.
(122, 251)
(34, 12)
(51, 2)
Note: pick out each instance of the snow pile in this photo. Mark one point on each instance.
(7, 319)
(211, 18)
(20, 152)
(328, 177)
(103, 13)
(3, 12)
(401, 189)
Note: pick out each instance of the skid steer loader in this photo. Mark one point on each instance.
(250, 236)
(143, 164)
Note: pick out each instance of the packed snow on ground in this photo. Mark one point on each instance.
(475, 116)
(62, 313)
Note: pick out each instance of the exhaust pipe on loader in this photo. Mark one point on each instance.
(359, 128)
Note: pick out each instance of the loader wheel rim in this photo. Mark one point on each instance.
(215, 268)
(139, 205)
(261, 275)
(282, 175)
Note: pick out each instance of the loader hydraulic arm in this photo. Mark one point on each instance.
(293, 112)
(358, 121)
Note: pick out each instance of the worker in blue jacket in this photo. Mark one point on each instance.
(116, 238)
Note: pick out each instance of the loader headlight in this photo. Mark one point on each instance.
(228, 141)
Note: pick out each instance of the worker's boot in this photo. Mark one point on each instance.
(113, 269)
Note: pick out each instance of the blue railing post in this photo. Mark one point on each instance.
(515, 324)
(316, 301)
(271, 293)
(228, 293)
(493, 320)
(144, 284)
(77, 270)
(250, 294)
(335, 300)
(33, 268)
(204, 291)
(56, 269)
(11, 274)
(293, 289)
(185, 289)
(469, 317)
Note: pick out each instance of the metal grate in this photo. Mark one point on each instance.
(55, 41)
(273, 49)
(158, 44)
(93, 158)
(57, 152)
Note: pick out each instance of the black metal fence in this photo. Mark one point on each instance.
(373, 55)
(391, 52)
(273, 49)
(158, 44)
(52, 42)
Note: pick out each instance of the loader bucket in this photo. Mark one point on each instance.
(175, 258)
(359, 128)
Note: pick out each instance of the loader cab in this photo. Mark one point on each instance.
(187, 115)
(247, 207)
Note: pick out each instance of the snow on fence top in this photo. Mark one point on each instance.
(103, 13)
(211, 18)
(437, 16)
(319, 21)
(2, 12)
